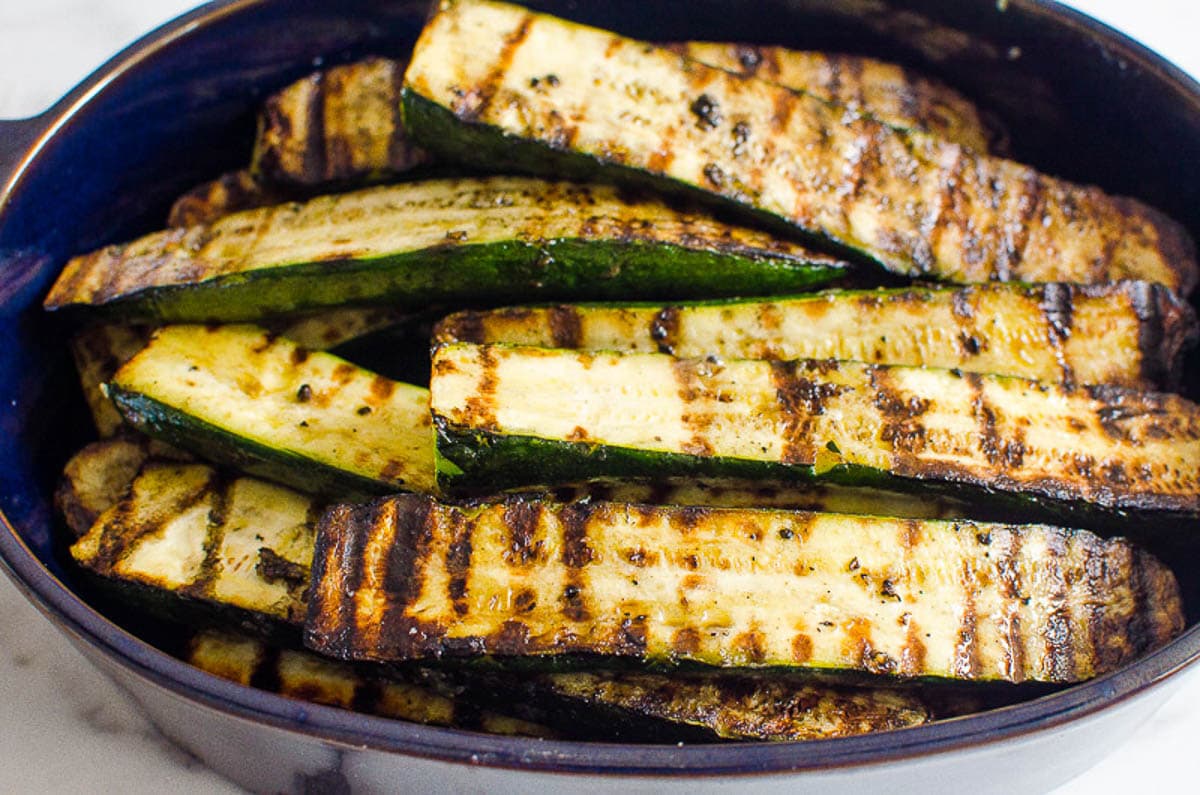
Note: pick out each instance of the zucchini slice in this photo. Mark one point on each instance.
(227, 194)
(1129, 333)
(690, 706)
(508, 417)
(184, 535)
(416, 243)
(302, 675)
(262, 404)
(496, 85)
(336, 126)
(98, 476)
(888, 92)
(407, 578)
(100, 350)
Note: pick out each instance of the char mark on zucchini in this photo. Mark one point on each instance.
(1129, 333)
(731, 589)
(890, 93)
(1090, 455)
(441, 240)
(914, 204)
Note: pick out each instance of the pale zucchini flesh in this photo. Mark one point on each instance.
(478, 90)
(1129, 334)
(885, 91)
(407, 578)
(510, 416)
(240, 396)
(413, 244)
(336, 126)
(185, 534)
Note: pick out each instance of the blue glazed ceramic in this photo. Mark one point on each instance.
(177, 107)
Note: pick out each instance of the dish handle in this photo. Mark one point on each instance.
(16, 136)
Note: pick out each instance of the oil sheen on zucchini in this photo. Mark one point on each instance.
(407, 578)
(499, 86)
(262, 404)
(302, 675)
(493, 239)
(1129, 333)
(886, 91)
(510, 416)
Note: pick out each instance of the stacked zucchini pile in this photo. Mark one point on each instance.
(704, 504)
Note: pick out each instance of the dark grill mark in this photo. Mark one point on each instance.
(511, 639)
(630, 637)
(685, 642)
(966, 663)
(414, 519)
(1008, 573)
(693, 388)
(565, 326)
(210, 567)
(574, 518)
(458, 561)
(989, 437)
(664, 329)
(800, 399)
(1058, 309)
(466, 326)
(902, 426)
(481, 407)
(802, 648)
(1059, 665)
(314, 163)
(273, 567)
(912, 655)
(485, 92)
(522, 518)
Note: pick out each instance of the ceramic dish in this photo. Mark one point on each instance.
(177, 107)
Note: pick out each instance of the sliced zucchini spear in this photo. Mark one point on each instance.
(227, 194)
(496, 85)
(407, 578)
(186, 535)
(305, 676)
(197, 547)
(510, 416)
(336, 126)
(495, 239)
(1129, 333)
(262, 404)
(889, 93)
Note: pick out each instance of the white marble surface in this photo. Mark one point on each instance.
(64, 728)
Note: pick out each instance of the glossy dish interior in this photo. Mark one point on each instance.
(178, 108)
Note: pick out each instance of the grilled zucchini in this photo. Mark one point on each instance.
(1130, 333)
(227, 194)
(889, 93)
(513, 416)
(296, 674)
(337, 126)
(185, 535)
(238, 395)
(688, 706)
(496, 85)
(100, 350)
(407, 578)
(412, 244)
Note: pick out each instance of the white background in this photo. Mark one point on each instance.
(63, 728)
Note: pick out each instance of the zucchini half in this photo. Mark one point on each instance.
(1129, 333)
(407, 578)
(510, 416)
(890, 93)
(260, 403)
(496, 85)
(409, 245)
(302, 675)
(196, 547)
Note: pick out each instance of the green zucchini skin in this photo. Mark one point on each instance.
(1128, 333)
(408, 579)
(985, 440)
(259, 403)
(414, 244)
(642, 115)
